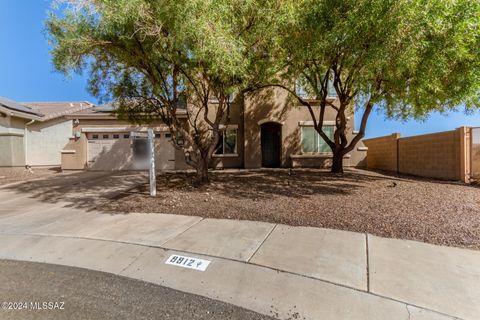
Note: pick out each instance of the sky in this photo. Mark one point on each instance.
(27, 74)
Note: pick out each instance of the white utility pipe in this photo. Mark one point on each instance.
(25, 141)
(152, 174)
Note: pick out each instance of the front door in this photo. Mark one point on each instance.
(270, 140)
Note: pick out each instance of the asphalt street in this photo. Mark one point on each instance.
(31, 290)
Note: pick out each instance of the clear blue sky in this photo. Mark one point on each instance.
(26, 73)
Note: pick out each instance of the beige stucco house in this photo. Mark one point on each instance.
(264, 130)
(34, 133)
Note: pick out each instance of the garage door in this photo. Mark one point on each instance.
(109, 151)
(164, 151)
(115, 151)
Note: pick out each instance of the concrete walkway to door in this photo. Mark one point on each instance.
(287, 272)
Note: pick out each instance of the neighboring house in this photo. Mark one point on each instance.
(264, 130)
(34, 133)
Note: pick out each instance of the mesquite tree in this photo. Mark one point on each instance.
(405, 57)
(166, 60)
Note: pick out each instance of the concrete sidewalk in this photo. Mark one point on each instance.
(286, 272)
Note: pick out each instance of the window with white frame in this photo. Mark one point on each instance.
(331, 89)
(301, 89)
(227, 142)
(312, 142)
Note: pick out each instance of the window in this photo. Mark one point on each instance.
(158, 135)
(168, 135)
(116, 136)
(126, 136)
(105, 136)
(301, 89)
(227, 143)
(94, 136)
(182, 101)
(312, 142)
(331, 89)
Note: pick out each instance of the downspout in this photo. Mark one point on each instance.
(25, 141)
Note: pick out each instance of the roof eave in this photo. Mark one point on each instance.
(106, 116)
(19, 114)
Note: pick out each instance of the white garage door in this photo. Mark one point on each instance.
(164, 151)
(104, 150)
(114, 151)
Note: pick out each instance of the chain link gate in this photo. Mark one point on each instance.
(475, 153)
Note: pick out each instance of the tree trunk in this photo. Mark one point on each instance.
(337, 162)
(202, 172)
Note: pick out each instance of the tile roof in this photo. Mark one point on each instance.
(44, 111)
(15, 106)
(102, 111)
(52, 110)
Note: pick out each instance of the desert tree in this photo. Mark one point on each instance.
(166, 60)
(405, 58)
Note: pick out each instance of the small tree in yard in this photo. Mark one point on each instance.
(405, 57)
(167, 60)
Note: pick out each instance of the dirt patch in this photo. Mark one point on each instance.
(18, 174)
(445, 213)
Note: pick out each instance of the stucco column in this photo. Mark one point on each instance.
(464, 153)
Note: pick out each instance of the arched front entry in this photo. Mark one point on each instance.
(271, 137)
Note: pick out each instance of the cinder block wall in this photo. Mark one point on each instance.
(433, 155)
(442, 155)
(382, 152)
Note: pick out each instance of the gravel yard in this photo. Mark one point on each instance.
(439, 212)
(18, 174)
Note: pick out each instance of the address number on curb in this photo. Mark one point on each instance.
(188, 262)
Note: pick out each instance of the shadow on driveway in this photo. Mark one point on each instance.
(83, 190)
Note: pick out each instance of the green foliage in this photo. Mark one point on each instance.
(136, 44)
(150, 55)
(405, 57)
(409, 57)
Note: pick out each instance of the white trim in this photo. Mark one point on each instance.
(354, 131)
(11, 134)
(362, 148)
(104, 129)
(120, 129)
(25, 140)
(307, 125)
(316, 155)
(228, 126)
(265, 120)
(19, 114)
(310, 123)
(312, 155)
(315, 100)
(228, 155)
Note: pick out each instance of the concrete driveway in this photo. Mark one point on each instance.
(84, 189)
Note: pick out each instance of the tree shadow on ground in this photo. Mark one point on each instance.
(407, 177)
(89, 190)
(263, 184)
(83, 190)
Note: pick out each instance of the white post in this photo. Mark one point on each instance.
(153, 180)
